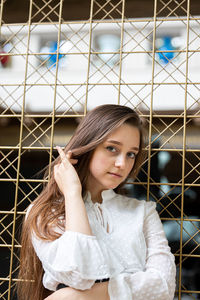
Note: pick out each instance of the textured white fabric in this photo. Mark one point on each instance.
(128, 246)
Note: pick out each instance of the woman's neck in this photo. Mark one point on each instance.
(96, 196)
(95, 192)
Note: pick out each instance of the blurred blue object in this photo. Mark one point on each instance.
(165, 45)
(52, 58)
(51, 47)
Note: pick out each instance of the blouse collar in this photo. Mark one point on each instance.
(106, 196)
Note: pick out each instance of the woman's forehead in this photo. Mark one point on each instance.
(126, 133)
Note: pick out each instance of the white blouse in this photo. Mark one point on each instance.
(128, 246)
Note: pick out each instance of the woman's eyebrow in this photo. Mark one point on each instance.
(118, 143)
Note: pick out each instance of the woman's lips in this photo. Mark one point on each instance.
(115, 175)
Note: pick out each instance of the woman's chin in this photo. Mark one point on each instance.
(112, 186)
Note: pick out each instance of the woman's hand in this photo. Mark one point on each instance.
(65, 174)
(98, 291)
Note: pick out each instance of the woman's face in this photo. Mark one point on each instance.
(113, 159)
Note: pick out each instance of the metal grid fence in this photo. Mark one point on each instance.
(37, 131)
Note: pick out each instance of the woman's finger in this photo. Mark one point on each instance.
(61, 152)
(73, 161)
(69, 154)
(66, 157)
(63, 157)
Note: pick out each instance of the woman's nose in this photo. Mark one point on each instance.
(120, 161)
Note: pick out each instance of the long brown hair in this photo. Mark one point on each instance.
(49, 207)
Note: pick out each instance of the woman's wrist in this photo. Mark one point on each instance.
(73, 195)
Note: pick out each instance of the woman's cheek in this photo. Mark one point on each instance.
(102, 161)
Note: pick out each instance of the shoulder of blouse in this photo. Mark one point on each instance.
(133, 202)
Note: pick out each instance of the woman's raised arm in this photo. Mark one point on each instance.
(69, 184)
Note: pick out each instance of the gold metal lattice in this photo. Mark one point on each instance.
(122, 73)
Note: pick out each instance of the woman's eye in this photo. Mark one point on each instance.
(111, 148)
(131, 154)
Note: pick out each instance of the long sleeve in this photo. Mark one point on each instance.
(157, 281)
(74, 259)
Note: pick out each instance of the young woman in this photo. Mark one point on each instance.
(84, 240)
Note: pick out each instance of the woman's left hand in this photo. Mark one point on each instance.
(98, 291)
